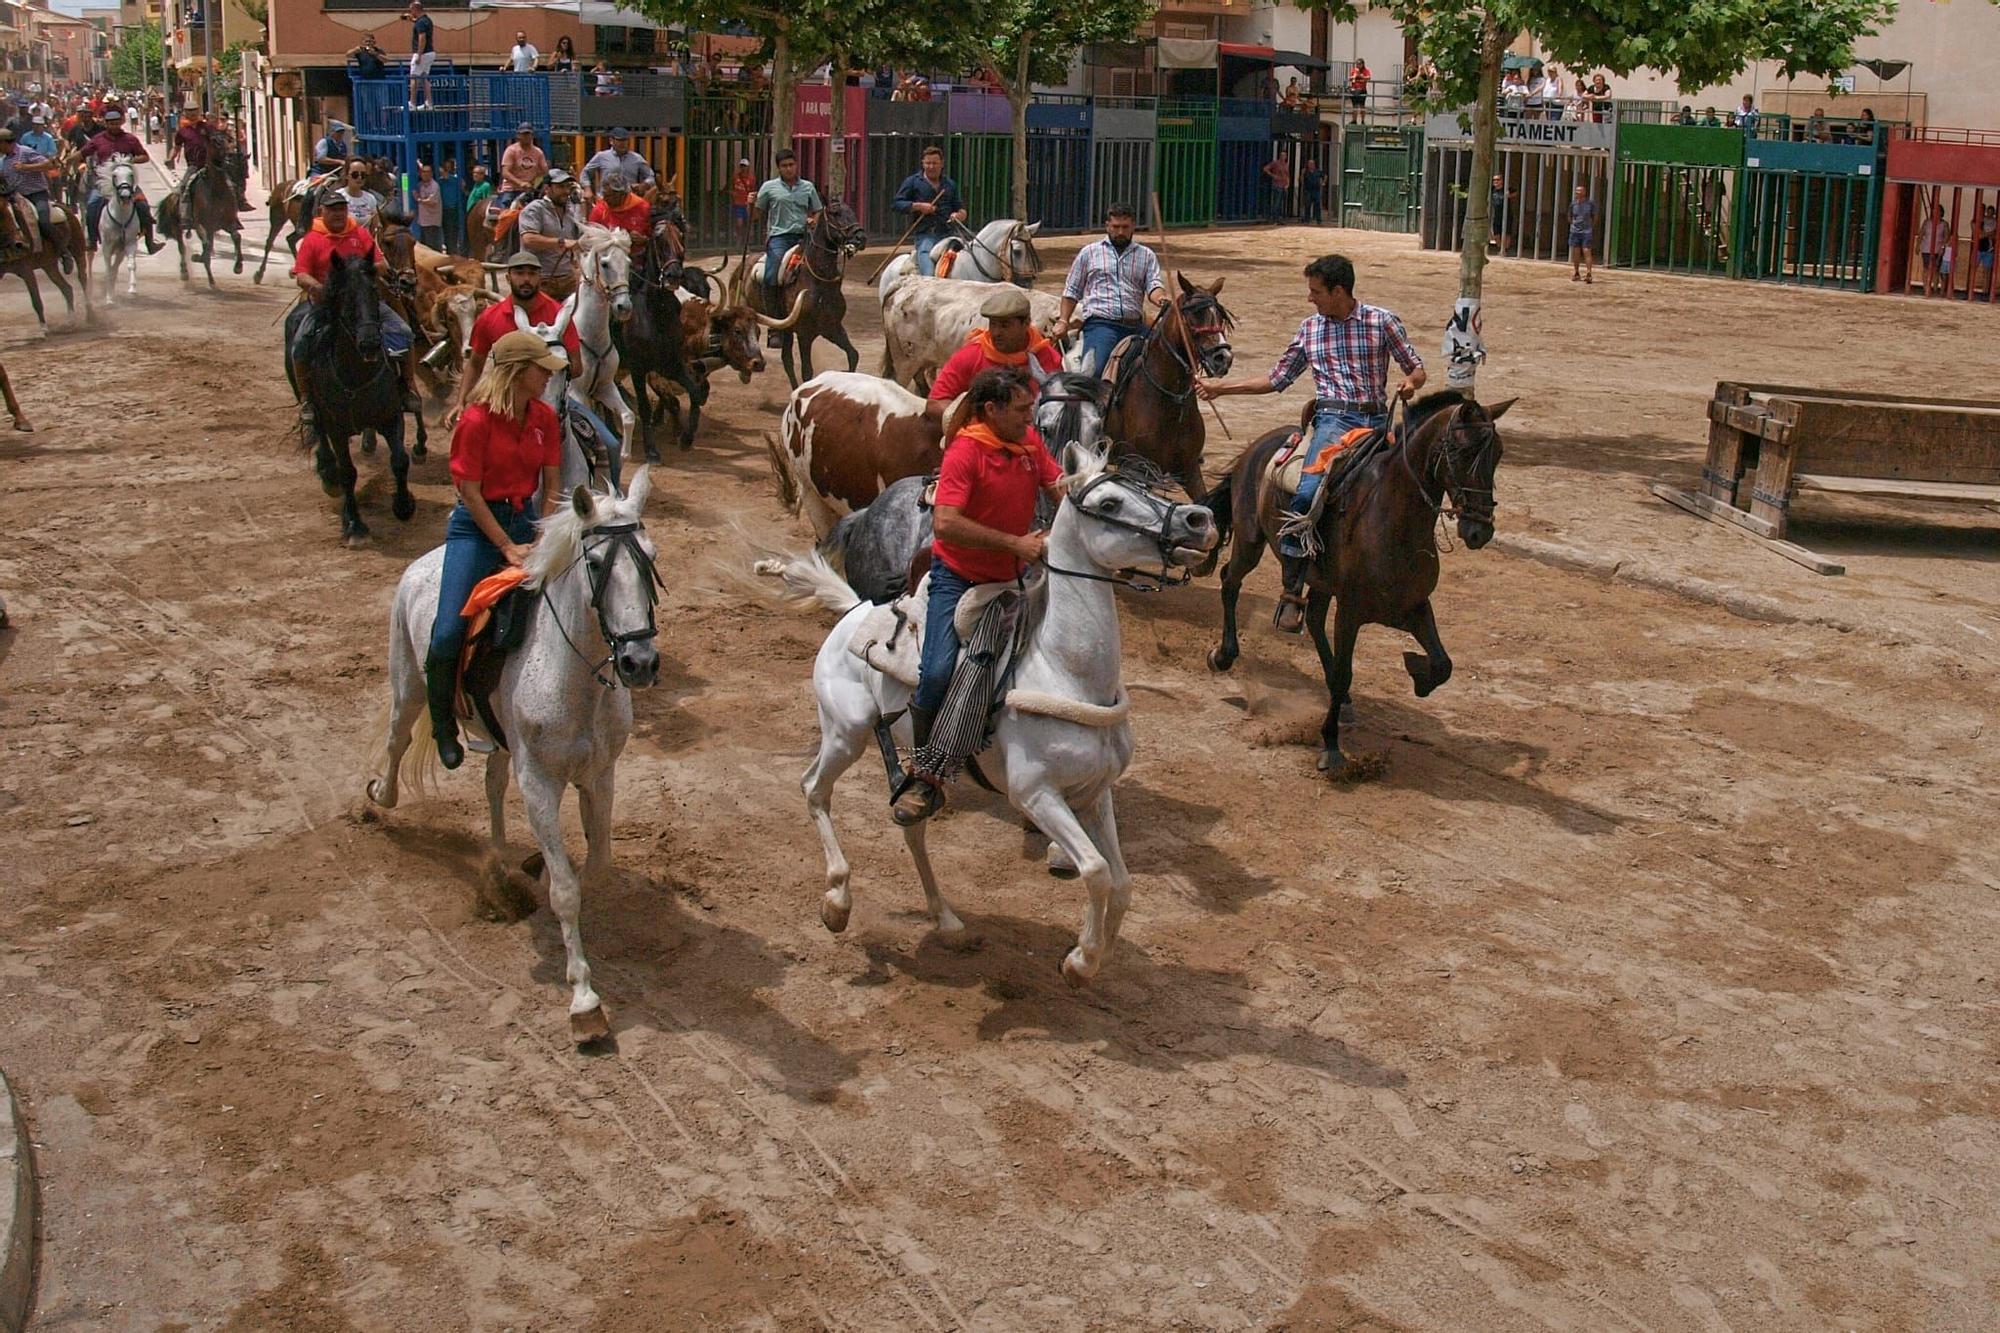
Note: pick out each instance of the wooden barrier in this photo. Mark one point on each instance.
(1768, 442)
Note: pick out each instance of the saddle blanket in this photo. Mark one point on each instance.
(788, 265)
(486, 645)
(1288, 466)
(26, 229)
(889, 638)
(945, 259)
(299, 187)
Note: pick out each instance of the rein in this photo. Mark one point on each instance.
(623, 537)
(1139, 580)
(1004, 264)
(1452, 493)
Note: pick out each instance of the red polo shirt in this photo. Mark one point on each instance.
(636, 216)
(998, 489)
(504, 456)
(497, 321)
(317, 250)
(954, 377)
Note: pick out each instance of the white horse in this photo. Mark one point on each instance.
(603, 294)
(118, 228)
(564, 721)
(1001, 251)
(1062, 738)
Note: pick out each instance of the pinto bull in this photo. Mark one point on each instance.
(846, 436)
(925, 320)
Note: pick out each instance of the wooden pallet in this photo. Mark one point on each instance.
(1769, 442)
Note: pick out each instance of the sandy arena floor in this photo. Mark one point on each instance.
(1652, 986)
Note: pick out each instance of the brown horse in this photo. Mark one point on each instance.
(48, 259)
(286, 211)
(210, 200)
(21, 421)
(1153, 411)
(832, 240)
(1376, 537)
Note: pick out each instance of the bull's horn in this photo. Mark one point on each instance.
(775, 326)
(720, 265)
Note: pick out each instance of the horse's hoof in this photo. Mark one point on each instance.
(653, 455)
(375, 794)
(533, 866)
(24, 425)
(1347, 772)
(1074, 970)
(591, 1025)
(1220, 661)
(257, 278)
(955, 937)
(1059, 863)
(332, 488)
(403, 506)
(834, 915)
(420, 451)
(368, 444)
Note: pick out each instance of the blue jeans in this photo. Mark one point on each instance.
(468, 558)
(940, 646)
(774, 250)
(1328, 426)
(1100, 336)
(923, 246)
(395, 333)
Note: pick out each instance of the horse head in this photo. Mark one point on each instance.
(1205, 325)
(1461, 446)
(1069, 413)
(398, 244)
(607, 267)
(605, 533)
(1024, 262)
(840, 230)
(351, 298)
(1131, 518)
(119, 178)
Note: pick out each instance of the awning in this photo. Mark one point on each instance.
(590, 13)
(1515, 60)
(1246, 51)
(1884, 69)
(1186, 53)
(1299, 60)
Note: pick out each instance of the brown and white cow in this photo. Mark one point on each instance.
(844, 438)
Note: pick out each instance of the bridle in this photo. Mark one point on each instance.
(1159, 507)
(1182, 346)
(594, 279)
(822, 237)
(1004, 263)
(380, 361)
(1069, 423)
(1443, 463)
(623, 537)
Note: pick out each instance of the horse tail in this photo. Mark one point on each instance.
(1220, 503)
(833, 547)
(810, 579)
(788, 485)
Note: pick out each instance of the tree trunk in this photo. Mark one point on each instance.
(1464, 349)
(836, 158)
(783, 77)
(1019, 93)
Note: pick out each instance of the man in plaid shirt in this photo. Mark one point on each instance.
(1109, 287)
(1349, 346)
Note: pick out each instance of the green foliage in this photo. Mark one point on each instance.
(229, 75)
(993, 34)
(1698, 42)
(136, 59)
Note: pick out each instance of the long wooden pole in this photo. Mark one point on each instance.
(1194, 366)
(898, 248)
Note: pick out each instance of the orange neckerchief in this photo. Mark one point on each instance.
(983, 338)
(319, 225)
(982, 435)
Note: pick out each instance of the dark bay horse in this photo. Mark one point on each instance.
(342, 372)
(288, 211)
(653, 342)
(1377, 555)
(833, 239)
(210, 202)
(1153, 410)
(48, 261)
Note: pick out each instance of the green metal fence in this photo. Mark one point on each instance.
(1381, 177)
(1187, 161)
(1809, 213)
(982, 164)
(1675, 198)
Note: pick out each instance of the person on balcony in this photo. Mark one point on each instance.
(564, 60)
(521, 59)
(367, 59)
(423, 53)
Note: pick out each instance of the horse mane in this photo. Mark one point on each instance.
(595, 237)
(561, 541)
(394, 215)
(1428, 406)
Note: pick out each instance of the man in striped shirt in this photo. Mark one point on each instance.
(1348, 346)
(1109, 286)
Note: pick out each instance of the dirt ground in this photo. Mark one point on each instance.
(1651, 986)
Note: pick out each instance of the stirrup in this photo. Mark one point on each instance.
(918, 797)
(1295, 603)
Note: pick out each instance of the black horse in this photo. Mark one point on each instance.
(652, 341)
(1373, 544)
(833, 239)
(336, 364)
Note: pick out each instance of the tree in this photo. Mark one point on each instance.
(775, 23)
(1019, 43)
(138, 58)
(1698, 42)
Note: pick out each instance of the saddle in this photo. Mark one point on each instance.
(23, 231)
(788, 266)
(945, 259)
(313, 182)
(497, 615)
(890, 636)
(1288, 468)
(504, 222)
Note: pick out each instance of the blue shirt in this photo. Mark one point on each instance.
(39, 141)
(420, 35)
(917, 189)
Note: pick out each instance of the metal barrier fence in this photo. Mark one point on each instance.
(1674, 198)
(1809, 212)
(1381, 176)
(1531, 215)
(1187, 161)
(1059, 163)
(1124, 134)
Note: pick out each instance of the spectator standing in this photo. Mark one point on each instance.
(1357, 86)
(1278, 171)
(480, 188)
(451, 194)
(1746, 114)
(1933, 240)
(1536, 99)
(1709, 120)
(367, 59)
(1989, 221)
(1513, 93)
(1686, 117)
(521, 59)
(430, 208)
(1496, 205)
(1816, 127)
(1600, 99)
(423, 53)
(1582, 234)
(564, 59)
(742, 189)
(1311, 183)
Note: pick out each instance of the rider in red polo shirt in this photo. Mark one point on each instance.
(994, 470)
(1008, 339)
(619, 207)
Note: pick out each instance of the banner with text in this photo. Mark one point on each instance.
(1595, 136)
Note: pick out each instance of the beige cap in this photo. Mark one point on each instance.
(1008, 303)
(513, 348)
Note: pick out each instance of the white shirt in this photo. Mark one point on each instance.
(361, 205)
(524, 55)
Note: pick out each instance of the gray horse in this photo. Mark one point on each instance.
(876, 545)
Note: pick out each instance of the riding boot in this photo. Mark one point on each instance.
(1290, 617)
(153, 246)
(440, 685)
(919, 795)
